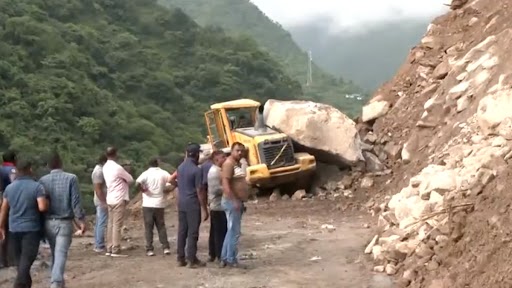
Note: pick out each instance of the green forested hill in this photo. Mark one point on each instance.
(78, 75)
(241, 17)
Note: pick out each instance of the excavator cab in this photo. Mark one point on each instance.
(270, 154)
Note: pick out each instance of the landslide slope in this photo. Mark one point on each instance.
(445, 220)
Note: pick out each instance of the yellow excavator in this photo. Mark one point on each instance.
(270, 153)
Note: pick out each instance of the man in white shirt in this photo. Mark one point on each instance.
(117, 180)
(152, 183)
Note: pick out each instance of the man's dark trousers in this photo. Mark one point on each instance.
(218, 229)
(7, 257)
(155, 217)
(188, 234)
(25, 246)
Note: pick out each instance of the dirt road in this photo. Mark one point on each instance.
(279, 242)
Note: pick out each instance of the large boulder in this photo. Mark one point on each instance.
(319, 129)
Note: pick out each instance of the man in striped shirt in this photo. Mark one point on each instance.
(63, 192)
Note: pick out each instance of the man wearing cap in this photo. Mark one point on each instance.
(191, 205)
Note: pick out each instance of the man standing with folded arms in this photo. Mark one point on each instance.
(65, 206)
(191, 205)
(23, 202)
(117, 180)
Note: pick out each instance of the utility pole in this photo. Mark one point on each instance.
(309, 80)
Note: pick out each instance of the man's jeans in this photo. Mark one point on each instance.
(155, 217)
(25, 246)
(234, 217)
(218, 229)
(59, 233)
(100, 226)
(114, 226)
(188, 233)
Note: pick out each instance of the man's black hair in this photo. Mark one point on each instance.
(111, 152)
(54, 160)
(9, 156)
(153, 162)
(102, 159)
(23, 166)
(237, 144)
(217, 153)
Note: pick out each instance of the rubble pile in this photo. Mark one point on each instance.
(443, 126)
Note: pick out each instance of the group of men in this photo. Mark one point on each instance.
(214, 190)
(48, 209)
(35, 210)
(223, 178)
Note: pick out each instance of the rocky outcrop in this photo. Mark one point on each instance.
(321, 129)
(448, 131)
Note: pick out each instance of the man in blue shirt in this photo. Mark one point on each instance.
(7, 175)
(65, 206)
(23, 202)
(191, 204)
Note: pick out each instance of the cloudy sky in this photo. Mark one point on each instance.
(349, 13)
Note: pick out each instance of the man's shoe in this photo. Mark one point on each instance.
(196, 264)
(108, 253)
(150, 253)
(117, 255)
(99, 250)
(211, 259)
(182, 263)
(56, 285)
(222, 264)
(238, 265)
(167, 251)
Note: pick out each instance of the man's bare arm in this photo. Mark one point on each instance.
(42, 204)
(99, 192)
(173, 178)
(4, 212)
(227, 175)
(125, 175)
(42, 199)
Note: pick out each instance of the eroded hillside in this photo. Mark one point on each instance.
(448, 115)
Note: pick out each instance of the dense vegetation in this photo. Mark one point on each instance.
(78, 75)
(241, 17)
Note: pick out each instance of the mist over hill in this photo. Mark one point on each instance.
(369, 56)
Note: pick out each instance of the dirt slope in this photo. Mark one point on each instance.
(449, 110)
